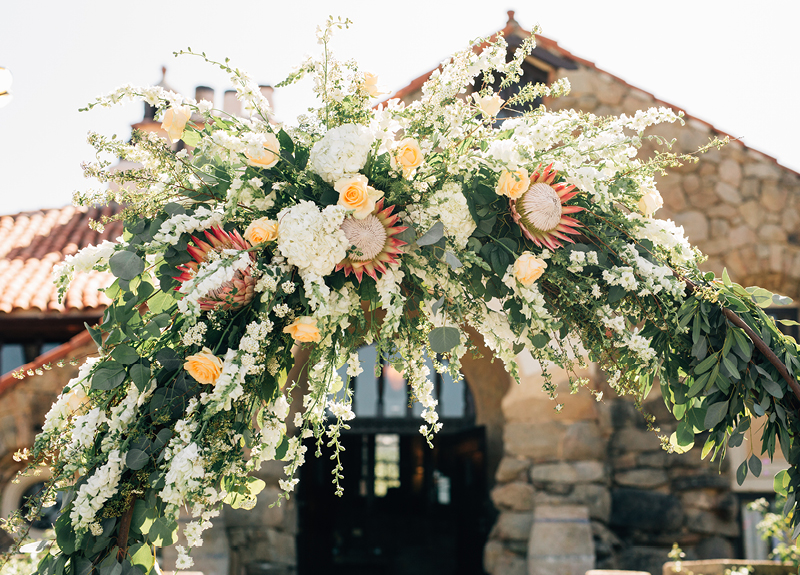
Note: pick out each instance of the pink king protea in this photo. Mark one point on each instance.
(233, 294)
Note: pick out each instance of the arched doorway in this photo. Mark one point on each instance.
(406, 508)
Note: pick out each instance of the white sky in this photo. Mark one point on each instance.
(732, 63)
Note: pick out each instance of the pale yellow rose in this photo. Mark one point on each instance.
(488, 105)
(261, 230)
(370, 85)
(651, 201)
(304, 330)
(174, 121)
(528, 268)
(205, 367)
(269, 156)
(407, 156)
(355, 193)
(513, 184)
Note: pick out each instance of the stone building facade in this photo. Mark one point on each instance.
(589, 486)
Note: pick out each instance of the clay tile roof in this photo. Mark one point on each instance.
(32, 243)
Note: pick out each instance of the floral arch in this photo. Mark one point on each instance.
(538, 233)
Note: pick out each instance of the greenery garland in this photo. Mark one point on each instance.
(256, 237)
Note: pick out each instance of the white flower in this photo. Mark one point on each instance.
(341, 151)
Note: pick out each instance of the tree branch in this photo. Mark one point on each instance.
(124, 528)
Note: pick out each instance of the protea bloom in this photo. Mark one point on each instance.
(540, 211)
(237, 292)
(373, 242)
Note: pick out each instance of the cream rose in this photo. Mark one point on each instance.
(488, 105)
(174, 121)
(205, 367)
(651, 201)
(407, 156)
(77, 401)
(356, 194)
(261, 230)
(271, 154)
(528, 268)
(513, 184)
(304, 330)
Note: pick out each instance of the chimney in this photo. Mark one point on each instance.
(230, 104)
(204, 93)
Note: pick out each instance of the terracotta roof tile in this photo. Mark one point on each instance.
(33, 243)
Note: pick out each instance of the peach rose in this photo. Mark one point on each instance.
(407, 156)
(269, 156)
(370, 85)
(513, 184)
(488, 105)
(174, 121)
(528, 268)
(77, 400)
(261, 230)
(651, 201)
(304, 330)
(205, 367)
(355, 193)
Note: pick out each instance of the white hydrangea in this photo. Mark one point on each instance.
(342, 150)
(449, 206)
(313, 242)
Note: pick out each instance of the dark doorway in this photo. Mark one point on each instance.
(406, 509)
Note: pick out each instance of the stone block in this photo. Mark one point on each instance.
(560, 541)
(514, 525)
(773, 197)
(728, 193)
(511, 468)
(730, 172)
(701, 481)
(722, 566)
(261, 516)
(597, 498)
(642, 478)
(515, 496)
(723, 211)
(631, 440)
(583, 441)
(751, 213)
(610, 93)
(763, 170)
(694, 224)
(644, 558)
(645, 510)
(700, 521)
(742, 236)
(491, 554)
(772, 233)
(510, 564)
(564, 472)
(537, 442)
(750, 188)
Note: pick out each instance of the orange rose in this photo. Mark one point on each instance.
(174, 122)
(304, 330)
(356, 194)
(528, 268)
(407, 156)
(205, 367)
(261, 230)
(513, 184)
(269, 156)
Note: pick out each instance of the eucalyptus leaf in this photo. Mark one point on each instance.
(163, 532)
(741, 473)
(126, 265)
(755, 465)
(432, 236)
(136, 459)
(452, 261)
(716, 413)
(443, 339)
(109, 376)
(125, 354)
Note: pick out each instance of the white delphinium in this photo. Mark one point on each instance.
(623, 276)
(449, 206)
(577, 259)
(641, 346)
(86, 428)
(93, 494)
(72, 401)
(228, 386)
(666, 235)
(184, 475)
(534, 306)
(183, 561)
(341, 151)
(90, 257)
(169, 233)
(208, 277)
(392, 299)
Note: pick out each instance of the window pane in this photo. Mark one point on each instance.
(13, 356)
(387, 463)
(366, 397)
(452, 401)
(395, 396)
